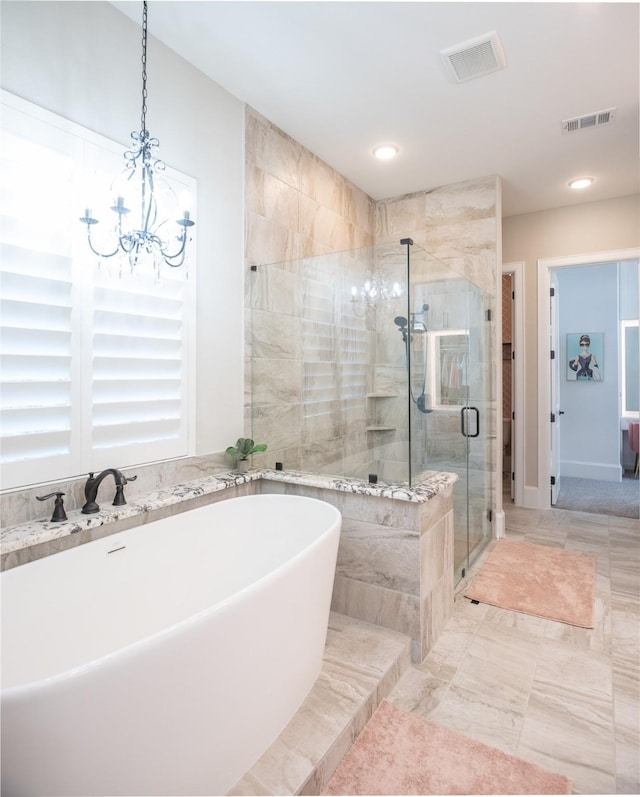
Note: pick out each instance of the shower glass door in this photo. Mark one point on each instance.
(450, 408)
(375, 364)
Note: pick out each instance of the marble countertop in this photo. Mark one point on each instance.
(35, 532)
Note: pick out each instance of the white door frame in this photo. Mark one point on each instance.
(545, 265)
(517, 461)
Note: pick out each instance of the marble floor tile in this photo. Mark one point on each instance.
(627, 742)
(450, 648)
(419, 692)
(500, 664)
(571, 733)
(518, 621)
(574, 669)
(626, 678)
(480, 716)
(597, 638)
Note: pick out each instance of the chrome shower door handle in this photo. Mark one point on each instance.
(463, 421)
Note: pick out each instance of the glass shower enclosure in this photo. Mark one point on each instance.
(376, 364)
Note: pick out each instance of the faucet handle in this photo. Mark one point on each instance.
(59, 515)
(119, 499)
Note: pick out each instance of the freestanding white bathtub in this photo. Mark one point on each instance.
(165, 659)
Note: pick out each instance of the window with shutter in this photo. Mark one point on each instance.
(95, 363)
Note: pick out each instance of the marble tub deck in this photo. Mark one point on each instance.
(34, 539)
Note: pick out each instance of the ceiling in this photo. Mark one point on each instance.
(341, 77)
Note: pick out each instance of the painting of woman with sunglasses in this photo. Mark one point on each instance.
(585, 363)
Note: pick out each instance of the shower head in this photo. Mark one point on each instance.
(400, 321)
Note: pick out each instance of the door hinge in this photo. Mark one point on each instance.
(553, 417)
(513, 355)
(552, 291)
(552, 354)
(553, 480)
(489, 315)
(489, 515)
(513, 476)
(513, 295)
(513, 416)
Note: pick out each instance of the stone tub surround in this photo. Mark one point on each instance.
(395, 560)
(35, 539)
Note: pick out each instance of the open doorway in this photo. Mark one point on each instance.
(583, 303)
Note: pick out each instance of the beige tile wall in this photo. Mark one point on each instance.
(297, 207)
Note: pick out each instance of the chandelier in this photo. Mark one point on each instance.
(375, 292)
(145, 227)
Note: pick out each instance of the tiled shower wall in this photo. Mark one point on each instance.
(297, 207)
(310, 362)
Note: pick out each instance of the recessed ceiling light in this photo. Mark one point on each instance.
(581, 182)
(386, 151)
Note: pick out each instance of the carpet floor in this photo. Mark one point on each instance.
(539, 580)
(621, 499)
(400, 753)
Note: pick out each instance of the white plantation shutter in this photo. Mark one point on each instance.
(139, 369)
(95, 369)
(36, 364)
(36, 303)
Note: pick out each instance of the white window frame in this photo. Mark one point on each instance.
(83, 457)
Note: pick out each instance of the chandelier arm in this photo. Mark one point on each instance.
(128, 243)
(180, 251)
(96, 252)
(179, 263)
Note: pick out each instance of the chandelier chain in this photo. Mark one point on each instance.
(143, 119)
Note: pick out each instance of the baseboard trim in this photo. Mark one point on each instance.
(591, 470)
(499, 527)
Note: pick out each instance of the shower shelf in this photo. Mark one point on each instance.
(381, 428)
(382, 395)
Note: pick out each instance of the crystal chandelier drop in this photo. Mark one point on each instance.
(376, 291)
(144, 204)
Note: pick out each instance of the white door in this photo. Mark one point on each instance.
(554, 375)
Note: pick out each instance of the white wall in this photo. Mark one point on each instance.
(562, 232)
(587, 302)
(82, 60)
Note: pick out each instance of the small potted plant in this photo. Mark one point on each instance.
(242, 450)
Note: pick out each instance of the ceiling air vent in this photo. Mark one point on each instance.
(474, 58)
(588, 120)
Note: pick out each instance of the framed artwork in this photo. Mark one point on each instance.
(585, 355)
